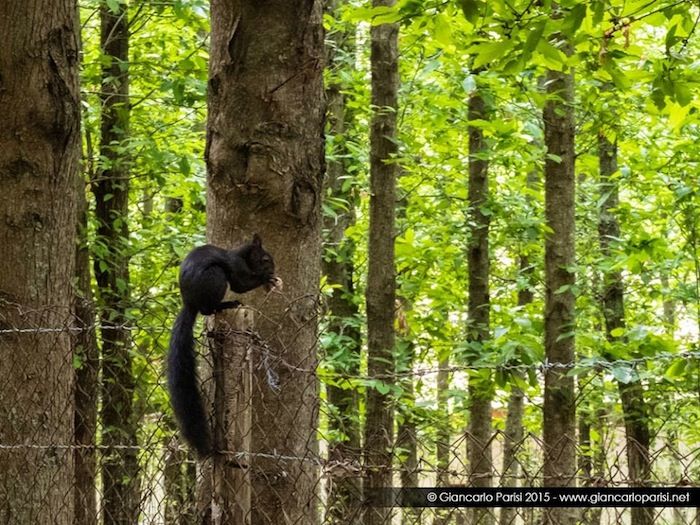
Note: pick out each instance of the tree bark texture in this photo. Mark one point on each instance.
(120, 501)
(381, 279)
(229, 391)
(479, 431)
(86, 354)
(39, 166)
(265, 159)
(634, 407)
(559, 317)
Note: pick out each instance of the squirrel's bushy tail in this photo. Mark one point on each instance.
(184, 388)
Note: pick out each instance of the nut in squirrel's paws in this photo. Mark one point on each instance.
(275, 284)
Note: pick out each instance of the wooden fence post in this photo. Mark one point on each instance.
(225, 490)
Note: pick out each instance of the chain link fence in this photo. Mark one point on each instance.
(245, 380)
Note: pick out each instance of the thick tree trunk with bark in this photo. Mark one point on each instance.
(265, 161)
(381, 278)
(559, 394)
(86, 354)
(480, 431)
(120, 503)
(39, 166)
(229, 393)
(634, 408)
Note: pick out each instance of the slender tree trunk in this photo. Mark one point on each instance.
(407, 431)
(480, 432)
(512, 442)
(120, 503)
(585, 458)
(443, 438)
(443, 435)
(39, 168)
(514, 432)
(634, 408)
(265, 160)
(381, 279)
(345, 484)
(86, 354)
(179, 484)
(593, 464)
(559, 393)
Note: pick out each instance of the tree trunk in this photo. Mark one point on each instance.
(229, 394)
(265, 163)
(381, 279)
(480, 432)
(179, 485)
(559, 394)
(587, 413)
(514, 432)
(512, 442)
(344, 484)
(443, 435)
(593, 456)
(120, 504)
(39, 168)
(634, 408)
(86, 353)
(407, 431)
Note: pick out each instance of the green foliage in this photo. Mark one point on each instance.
(636, 74)
(164, 153)
(635, 81)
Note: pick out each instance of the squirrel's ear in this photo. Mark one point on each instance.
(257, 241)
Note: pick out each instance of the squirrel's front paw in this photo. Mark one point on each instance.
(275, 283)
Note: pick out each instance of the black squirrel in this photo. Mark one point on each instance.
(205, 275)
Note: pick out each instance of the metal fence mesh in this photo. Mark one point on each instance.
(167, 485)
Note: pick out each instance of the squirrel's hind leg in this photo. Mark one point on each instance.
(227, 305)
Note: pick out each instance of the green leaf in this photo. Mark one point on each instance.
(489, 51)
(683, 93)
(617, 332)
(676, 369)
(553, 57)
(443, 32)
(671, 37)
(533, 38)
(574, 19)
(113, 5)
(598, 8)
(469, 83)
(376, 15)
(624, 373)
(617, 76)
(471, 9)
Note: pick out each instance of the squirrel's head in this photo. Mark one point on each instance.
(259, 260)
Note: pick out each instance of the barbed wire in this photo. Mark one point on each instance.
(584, 362)
(157, 448)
